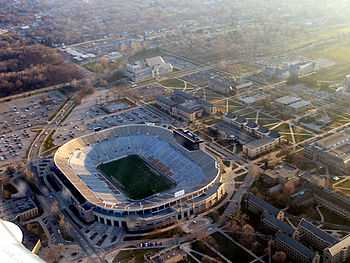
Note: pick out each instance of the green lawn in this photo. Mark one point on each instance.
(135, 177)
(335, 73)
(173, 83)
(49, 142)
(338, 52)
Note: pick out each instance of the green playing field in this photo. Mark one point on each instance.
(135, 177)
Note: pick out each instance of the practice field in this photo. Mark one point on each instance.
(136, 178)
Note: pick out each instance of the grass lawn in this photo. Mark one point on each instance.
(49, 142)
(135, 177)
(173, 83)
(335, 73)
(338, 52)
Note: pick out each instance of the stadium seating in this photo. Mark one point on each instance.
(157, 146)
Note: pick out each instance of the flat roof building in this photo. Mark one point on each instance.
(277, 225)
(185, 106)
(316, 237)
(149, 68)
(222, 85)
(295, 250)
(257, 205)
(339, 252)
(332, 151)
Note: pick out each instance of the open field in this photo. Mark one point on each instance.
(324, 77)
(136, 178)
(338, 52)
(173, 83)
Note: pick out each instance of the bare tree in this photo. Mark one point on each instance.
(279, 257)
(254, 170)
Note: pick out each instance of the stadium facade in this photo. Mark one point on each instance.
(196, 175)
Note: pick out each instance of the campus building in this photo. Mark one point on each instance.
(295, 250)
(21, 209)
(297, 243)
(185, 106)
(256, 140)
(222, 85)
(153, 67)
(339, 252)
(314, 236)
(332, 151)
(291, 104)
(258, 206)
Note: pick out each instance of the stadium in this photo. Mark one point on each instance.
(138, 177)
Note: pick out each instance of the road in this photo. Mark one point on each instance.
(34, 92)
(36, 146)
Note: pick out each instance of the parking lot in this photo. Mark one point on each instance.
(21, 119)
(137, 115)
(102, 235)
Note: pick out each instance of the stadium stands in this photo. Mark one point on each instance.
(194, 172)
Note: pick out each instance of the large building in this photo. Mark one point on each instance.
(222, 85)
(258, 206)
(299, 244)
(316, 237)
(185, 106)
(194, 174)
(295, 250)
(294, 69)
(332, 151)
(256, 140)
(334, 250)
(20, 209)
(339, 252)
(149, 68)
(291, 104)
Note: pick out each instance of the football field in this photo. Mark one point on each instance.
(135, 177)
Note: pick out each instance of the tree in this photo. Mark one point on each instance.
(248, 235)
(254, 170)
(279, 257)
(55, 208)
(10, 169)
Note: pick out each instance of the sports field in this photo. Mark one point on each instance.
(135, 177)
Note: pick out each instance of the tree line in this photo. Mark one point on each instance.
(29, 67)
